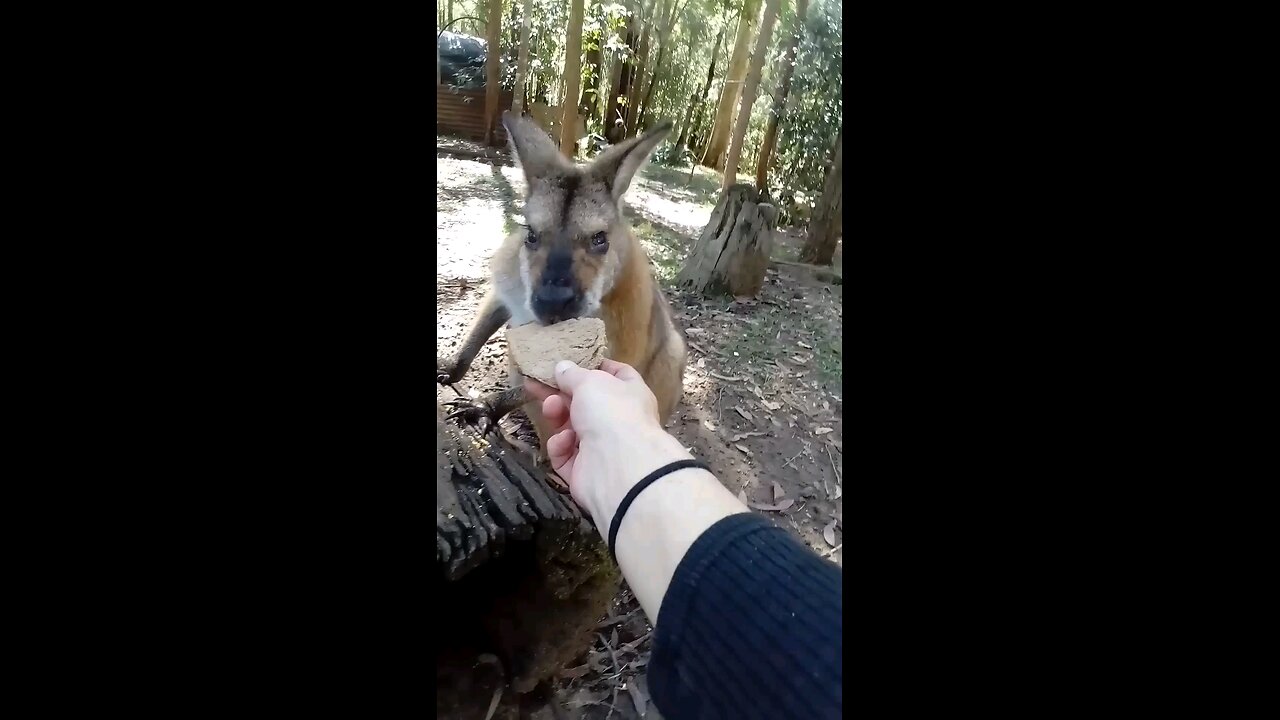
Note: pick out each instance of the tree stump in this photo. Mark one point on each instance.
(827, 226)
(732, 252)
(522, 577)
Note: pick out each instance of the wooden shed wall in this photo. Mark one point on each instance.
(461, 112)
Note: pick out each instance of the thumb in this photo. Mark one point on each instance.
(569, 376)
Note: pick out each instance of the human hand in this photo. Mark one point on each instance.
(606, 433)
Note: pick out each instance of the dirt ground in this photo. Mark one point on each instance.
(763, 403)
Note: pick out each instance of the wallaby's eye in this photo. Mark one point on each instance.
(599, 241)
(530, 237)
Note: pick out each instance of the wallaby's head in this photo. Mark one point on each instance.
(575, 238)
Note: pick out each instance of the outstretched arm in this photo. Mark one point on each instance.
(750, 622)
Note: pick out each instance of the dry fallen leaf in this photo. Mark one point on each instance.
(778, 492)
(585, 697)
(742, 495)
(771, 405)
(637, 696)
(743, 449)
(804, 345)
(726, 378)
(745, 435)
(695, 331)
(709, 425)
(743, 413)
(798, 360)
(829, 533)
(821, 430)
(786, 503)
(576, 672)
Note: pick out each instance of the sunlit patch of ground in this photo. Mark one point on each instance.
(471, 218)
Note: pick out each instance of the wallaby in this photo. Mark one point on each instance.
(576, 257)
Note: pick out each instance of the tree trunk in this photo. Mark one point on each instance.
(522, 63)
(669, 24)
(614, 131)
(492, 66)
(518, 571)
(732, 253)
(644, 103)
(749, 93)
(826, 226)
(591, 88)
(637, 82)
(706, 147)
(573, 81)
(780, 98)
(610, 100)
(733, 78)
(701, 99)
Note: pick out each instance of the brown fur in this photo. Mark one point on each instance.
(568, 208)
(641, 334)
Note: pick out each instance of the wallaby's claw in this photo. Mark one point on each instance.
(472, 412)
(449, 371)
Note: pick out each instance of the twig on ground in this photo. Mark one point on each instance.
(793, 458)
(831, 551)
(604, 624)
(493, 704)
(833, 465)
(612, 656)
(490, 659)
(613, 704)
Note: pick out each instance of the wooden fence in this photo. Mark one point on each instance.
(461, 112)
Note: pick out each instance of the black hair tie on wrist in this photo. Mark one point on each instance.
(639, 487)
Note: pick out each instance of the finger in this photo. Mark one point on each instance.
(537, 389)
(569, 376)
(561, 448)
(622, 371)
(556, 410)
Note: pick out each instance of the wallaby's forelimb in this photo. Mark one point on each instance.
(493, 314)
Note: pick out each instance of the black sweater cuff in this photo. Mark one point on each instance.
(750, 628)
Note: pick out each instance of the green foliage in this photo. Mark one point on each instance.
(815, 110)
(811, 119)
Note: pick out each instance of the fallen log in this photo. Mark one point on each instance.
(521, 576)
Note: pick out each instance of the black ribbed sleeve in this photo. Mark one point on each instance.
(749, 628)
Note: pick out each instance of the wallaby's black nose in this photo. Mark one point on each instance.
(551, 301)
(554, 295)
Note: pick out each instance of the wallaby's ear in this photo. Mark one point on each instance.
(620, 163)
(532, 147)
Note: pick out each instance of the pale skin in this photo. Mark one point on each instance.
(605, 438)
